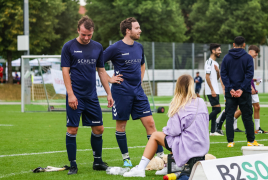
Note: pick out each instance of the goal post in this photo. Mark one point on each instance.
(43, 89)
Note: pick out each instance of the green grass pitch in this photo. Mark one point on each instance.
(30, 140)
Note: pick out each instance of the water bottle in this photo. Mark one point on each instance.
(117, 170)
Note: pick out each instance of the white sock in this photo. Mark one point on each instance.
(235, 123)
(143, 163)
(257, 124)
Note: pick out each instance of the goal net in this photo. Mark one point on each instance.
(43, 89)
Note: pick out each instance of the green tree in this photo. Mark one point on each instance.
(160, 20)
(222, 20)
(65, 28)
(42, 22)
(11, 25)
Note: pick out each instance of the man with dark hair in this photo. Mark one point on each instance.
(127, 56)
(79, 59)
(237, 72)
(253, 51)
(198, 81)
(211, 85)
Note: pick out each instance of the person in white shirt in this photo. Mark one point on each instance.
(211, 85)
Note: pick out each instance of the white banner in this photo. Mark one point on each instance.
(249, 167)
(38, 79)
(57, 80)
(100, 89)
(58, 83)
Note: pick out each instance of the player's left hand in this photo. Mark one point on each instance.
(116, 79)
(238, 93)
(110, 100)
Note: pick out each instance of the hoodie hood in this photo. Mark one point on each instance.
(237, 52)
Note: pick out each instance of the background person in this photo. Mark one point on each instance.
(211, 85)
(186, 134)
(237, 72)
(1, 73)
(198, 82)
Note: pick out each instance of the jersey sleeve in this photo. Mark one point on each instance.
(100, 62)
(208, 66)
(65, 56)
(109, 53)
(142, 59)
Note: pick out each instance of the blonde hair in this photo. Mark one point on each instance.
(183, 94)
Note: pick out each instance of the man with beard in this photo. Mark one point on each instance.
(211, 85)
(237, 72)
(127, 56)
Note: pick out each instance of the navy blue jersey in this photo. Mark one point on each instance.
(127, 60)
(198, 84)
(82, 60)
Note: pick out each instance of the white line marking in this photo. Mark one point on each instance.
(14, 174)
(90, 127)
(64, 151)
(6, 125)
(236, 141)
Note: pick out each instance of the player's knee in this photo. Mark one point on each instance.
(150, 124)
(257, 107)
(72, 130)
(98, 129)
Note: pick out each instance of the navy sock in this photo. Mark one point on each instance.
(71, 148)
(159, 148)
(122, 143)
(96, 144)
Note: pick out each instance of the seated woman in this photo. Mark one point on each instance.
(186, 134)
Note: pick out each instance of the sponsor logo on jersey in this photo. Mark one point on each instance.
(133, 61)
(86, 61)
(77, 51)
(125, 54)
(146, 112)
(95, 121)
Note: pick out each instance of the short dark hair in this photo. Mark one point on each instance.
(213, 46)
(239, 41)
(254, 48)
(197, 72)
(88, 23)
(127, 24)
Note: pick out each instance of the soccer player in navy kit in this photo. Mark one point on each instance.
(79, 59)
(198, 81)
(127, 57)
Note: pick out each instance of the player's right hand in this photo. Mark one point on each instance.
(213, 94)
(72, 101)
(253, 91)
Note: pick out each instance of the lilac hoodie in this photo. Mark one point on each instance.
(190, 142)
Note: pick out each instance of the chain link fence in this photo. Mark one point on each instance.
(167, 61)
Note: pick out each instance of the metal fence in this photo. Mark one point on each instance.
(167, 61)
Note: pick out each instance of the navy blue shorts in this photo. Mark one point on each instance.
(197, 90)
(90, 110)
(136, 105)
